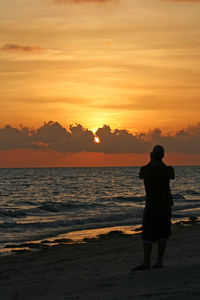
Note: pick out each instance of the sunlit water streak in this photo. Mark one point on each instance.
(38, 203)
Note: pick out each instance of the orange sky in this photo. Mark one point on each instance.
(32, 158)
(130, 64)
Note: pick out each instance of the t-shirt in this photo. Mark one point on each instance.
(156, 180)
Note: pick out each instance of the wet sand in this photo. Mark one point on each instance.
(100, 269)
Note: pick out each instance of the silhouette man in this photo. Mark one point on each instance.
(156, 225)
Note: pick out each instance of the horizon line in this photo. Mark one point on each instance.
(78, 167)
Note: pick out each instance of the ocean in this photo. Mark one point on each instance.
(40, 203)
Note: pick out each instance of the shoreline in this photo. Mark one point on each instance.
(79, 236)
(72, 237)
(100, 269)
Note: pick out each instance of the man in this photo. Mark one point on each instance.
(156, 225)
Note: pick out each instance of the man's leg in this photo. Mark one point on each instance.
(147, 243)
(161, 251)
(147, 248)
(147, 253)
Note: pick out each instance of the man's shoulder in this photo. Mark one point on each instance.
(162, 169)
(170, 167)
(144, 170)
(171, 172)
(146, 166)
(152, 165)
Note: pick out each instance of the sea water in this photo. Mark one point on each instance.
(38, 203)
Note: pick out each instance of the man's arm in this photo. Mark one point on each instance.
(141, 173)
(171, 173)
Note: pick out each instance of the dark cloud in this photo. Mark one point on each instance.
(12, 138)
(183, 141)
(82, 1)
(53, 136)
(20, 48)
(120, 141)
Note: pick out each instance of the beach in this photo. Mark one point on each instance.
(100, 268)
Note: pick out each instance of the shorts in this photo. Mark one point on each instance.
(156, 225)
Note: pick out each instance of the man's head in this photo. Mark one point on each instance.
(158, 152)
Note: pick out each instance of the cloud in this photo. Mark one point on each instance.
(20, 48)
(75, 139)
(83, 1)
(120, 141)
(183, 141)
(14, 138)
(56, 137)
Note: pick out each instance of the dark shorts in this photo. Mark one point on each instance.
(156, 225)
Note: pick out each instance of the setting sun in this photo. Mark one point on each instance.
(96, 140)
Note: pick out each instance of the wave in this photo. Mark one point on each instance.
(192, 192)
(110, 218)
(12, 213)
(37, 209)
(60, 207)
(189, 205)
(49, 207)
(178, 196)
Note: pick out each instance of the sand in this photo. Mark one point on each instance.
(100, 269)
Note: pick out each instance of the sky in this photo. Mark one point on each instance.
(125, 72)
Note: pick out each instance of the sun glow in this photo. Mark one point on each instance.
(96, 140)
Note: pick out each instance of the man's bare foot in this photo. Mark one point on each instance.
(158, 265)
(141, 267)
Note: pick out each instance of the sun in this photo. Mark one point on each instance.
(96, 140)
